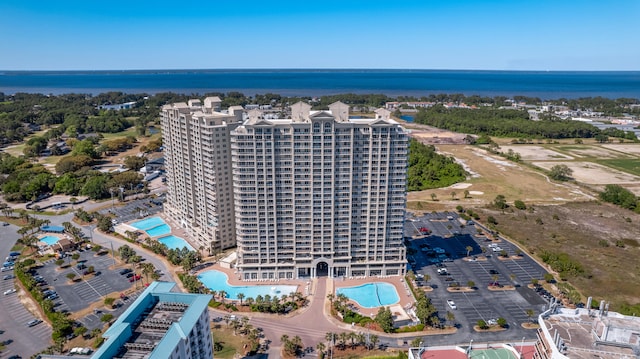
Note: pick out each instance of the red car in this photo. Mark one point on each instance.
(134, 278)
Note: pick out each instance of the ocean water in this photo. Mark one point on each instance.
(543, 84)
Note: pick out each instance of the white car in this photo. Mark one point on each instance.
(496, 249)
(9, 291)
(452, 304)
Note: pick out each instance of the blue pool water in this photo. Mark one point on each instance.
(148, 223)
(50, 240)
(174, 242)
(216, 280)
(159, 230)
(154, 226)
(371, 295)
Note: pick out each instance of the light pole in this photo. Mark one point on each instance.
(469, 348)
(112, 203)
(91, 228)
(522, 347)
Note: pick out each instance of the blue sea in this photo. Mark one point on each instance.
(542, 84)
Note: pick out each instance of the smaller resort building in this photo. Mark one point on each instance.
(161, 323)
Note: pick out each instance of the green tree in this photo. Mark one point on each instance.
(384, 319)
(134, 163)
(95, 188)
(500, 202)
(519, 204)
(85, 147)
(560, 172)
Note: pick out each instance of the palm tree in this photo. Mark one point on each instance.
(73, 201)
(67, 226)
(147, 269)
(374, 340)
(450, 317)
(469, 249)
(453, 195)
(222, 295)
(494, 279)
(241, 297)
(249, 301)
(321, 347)
(530, 313)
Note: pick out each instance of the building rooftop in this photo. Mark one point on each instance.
(583, 333)
(153, 324)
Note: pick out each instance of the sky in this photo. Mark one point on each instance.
(543, 35)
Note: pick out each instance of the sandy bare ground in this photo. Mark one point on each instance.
(582, 151)
(494, 175)
(625, 148)
(535, 153)
(593, 173)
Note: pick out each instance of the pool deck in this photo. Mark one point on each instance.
(305, 286)
(404, 293)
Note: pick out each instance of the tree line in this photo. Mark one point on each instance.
(429, 169)
(502, 123)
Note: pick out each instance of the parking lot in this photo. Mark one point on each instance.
(454, 253)
(136, 209)
(87, 289)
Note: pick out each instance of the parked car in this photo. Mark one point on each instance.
(9, 291)
(134, 278)
(129, 275)
(493, 271)
(33, 322)
(6, 269)
(8, 276)
(125, 271)
(452, 304)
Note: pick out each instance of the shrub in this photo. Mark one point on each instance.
(482, 324)
(519, 204)
(502, 322)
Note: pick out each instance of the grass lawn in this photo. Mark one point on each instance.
(231, 344)
(626, 165)
(131, 131)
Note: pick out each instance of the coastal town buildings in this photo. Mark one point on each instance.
(319, 193)
(197, 153)
(161, 323)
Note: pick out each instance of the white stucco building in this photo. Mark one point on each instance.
(319, 193)
(197, 154)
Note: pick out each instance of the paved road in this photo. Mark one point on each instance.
(13, 315)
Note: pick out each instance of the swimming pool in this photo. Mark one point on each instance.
(216, 280)
(148, 223)
(160, 230)
(174, 242)
(154, 226)
(50, 240)
(371, 295)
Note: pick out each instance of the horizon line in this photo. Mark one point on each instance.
(305, 69)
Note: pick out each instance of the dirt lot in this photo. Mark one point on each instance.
(602, 237)
(624, 148)
(492, 175)
(593, 173)
(536, 153)
(593, 151)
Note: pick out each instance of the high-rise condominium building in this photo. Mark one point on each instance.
(197, 154)
(319, 194)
